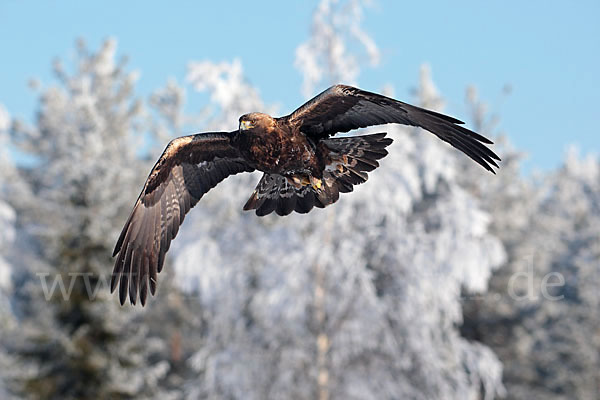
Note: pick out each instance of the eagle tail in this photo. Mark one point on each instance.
(350, 160)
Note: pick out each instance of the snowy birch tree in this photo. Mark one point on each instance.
(7, 237)
(7, 320)
(360, 300)
(7, 215)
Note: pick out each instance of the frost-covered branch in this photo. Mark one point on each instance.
(336, 44)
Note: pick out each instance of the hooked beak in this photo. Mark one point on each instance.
(245, 125)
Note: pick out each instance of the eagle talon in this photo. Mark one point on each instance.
(316, 183)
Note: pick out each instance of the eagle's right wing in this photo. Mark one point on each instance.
(189, 167)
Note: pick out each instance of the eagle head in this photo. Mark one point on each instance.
(255, 120)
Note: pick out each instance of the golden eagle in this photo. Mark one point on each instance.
(303, 167)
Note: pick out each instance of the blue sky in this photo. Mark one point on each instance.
(547, 51)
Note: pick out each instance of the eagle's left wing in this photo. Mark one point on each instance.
(343, 108)
(189, 167)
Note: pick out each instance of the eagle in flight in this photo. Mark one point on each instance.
(303, 167)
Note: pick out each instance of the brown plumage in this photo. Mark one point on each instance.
(304, 167)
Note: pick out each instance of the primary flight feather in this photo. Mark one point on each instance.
(303, 166)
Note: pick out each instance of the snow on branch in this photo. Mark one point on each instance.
(336, 44)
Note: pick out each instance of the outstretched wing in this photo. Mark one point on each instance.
(343, 108)
(189, 167)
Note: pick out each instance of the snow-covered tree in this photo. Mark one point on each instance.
(360, 300)
(7, 234)
(7, 240)
(336, 46)
(541, 315)
(86, 143)
(7, 215)
(7, 320)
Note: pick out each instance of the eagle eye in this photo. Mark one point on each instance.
(245, 125)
